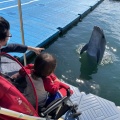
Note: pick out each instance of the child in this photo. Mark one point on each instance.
(44, 79)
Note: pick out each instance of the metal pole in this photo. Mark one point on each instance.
(21, 26)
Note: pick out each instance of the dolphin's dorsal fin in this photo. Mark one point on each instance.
(84, 48)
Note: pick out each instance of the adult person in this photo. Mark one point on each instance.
(5, 37)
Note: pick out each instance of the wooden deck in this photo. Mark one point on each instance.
(44, 20)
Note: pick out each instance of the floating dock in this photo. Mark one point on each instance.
(43, 20)
(93, 107)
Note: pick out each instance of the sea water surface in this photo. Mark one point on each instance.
(105, 81)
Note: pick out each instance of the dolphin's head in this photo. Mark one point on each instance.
(97, 37)
(98, 32)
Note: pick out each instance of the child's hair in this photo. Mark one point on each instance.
(44, 65)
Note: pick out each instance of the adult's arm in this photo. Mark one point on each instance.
(14, 48)
(21, 48)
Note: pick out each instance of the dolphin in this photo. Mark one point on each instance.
(96, 46)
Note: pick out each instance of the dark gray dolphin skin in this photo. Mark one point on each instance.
(96, 46)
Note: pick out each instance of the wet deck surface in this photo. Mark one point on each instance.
(93, 107)
(43, 20)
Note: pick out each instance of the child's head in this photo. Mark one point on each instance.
(44, 65)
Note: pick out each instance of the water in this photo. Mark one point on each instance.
(105, 81)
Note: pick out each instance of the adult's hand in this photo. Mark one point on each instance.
(37, 50)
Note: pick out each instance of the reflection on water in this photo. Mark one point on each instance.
(88, 86)
(88, 67)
